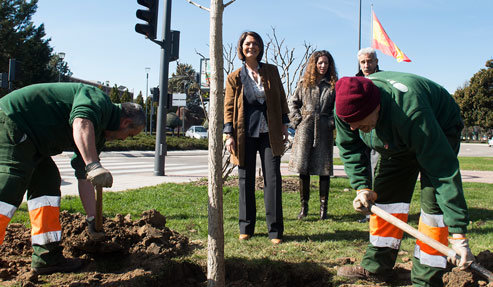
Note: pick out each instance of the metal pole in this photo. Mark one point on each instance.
(152, 116)
(183, 110)
(163, 93)
(147, 95)
(183, 121)
(359, 31)
(11, 76)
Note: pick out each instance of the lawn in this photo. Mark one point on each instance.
(466, 163)
(308, 244)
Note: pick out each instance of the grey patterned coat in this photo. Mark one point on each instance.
(311, 114)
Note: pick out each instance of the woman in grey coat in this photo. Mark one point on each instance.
(311, 114)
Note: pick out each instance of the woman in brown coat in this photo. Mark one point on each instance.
(312, 116)
(256, 118)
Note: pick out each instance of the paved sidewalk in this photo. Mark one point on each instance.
(69, 185)
(134, 181)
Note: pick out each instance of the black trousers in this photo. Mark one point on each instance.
(271, 167)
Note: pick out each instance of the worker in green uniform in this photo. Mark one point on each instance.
(415, 125)
(42, 120)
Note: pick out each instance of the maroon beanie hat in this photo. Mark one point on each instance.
(356, 98)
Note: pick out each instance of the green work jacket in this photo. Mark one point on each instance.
(416, 115)
(45, 112)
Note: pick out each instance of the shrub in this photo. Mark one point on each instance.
(148, 142)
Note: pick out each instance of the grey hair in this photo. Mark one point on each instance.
(134, 112)
(368, 51)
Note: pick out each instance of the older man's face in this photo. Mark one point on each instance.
(367, 124)
(368, 64)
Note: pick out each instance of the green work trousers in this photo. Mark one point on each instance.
(23, 168)
(395, 179)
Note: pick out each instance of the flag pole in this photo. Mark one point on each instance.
(359, 32)
(371, 24)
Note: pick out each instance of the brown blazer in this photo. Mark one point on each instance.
(277, 105)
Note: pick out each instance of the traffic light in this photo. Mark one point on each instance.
(169, 102)
(175, 46)
(149, 15)
(155, 94)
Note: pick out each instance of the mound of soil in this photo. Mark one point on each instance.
(131, 254)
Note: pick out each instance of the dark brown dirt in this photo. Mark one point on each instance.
(289, 184)
(133, 253)
(145, 252)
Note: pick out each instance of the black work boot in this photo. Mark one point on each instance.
(304, 195)
(48, 259)
(358, 272)
(324, 196)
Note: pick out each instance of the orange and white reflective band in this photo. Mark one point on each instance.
(44, 212)
(431, 225)
(384, 234)
(6, 213)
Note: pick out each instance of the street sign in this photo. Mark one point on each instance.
(205, 74)
(179, 100)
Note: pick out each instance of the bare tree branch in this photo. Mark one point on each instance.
(285, 59)
(230, 2)
(200, 6)
(228, 166)
(196, 52)
(229, 57)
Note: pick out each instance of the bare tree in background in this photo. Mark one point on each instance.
(215, 242)
(277, 52)
(229, 57)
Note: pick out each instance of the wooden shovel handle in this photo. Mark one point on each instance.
(99, 209)
(445, 250)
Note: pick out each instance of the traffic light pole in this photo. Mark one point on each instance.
(161, 147)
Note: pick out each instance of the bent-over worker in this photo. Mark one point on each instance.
(415, 125)
(42, 120)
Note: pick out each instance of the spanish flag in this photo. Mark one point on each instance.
(382, 42)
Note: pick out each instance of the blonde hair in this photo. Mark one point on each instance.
(311, 76)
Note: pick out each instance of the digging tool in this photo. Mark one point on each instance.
(99, 209)
(427, 240)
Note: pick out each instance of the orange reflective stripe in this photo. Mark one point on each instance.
(6, 212)
(440, 234)
(4, 221)
(45, 219)
(380, 227)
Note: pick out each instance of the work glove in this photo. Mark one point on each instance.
(461, 247)
(91, 229)
(363, 199)
(98, 175)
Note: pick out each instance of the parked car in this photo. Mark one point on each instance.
(291, 133)
(197, 132)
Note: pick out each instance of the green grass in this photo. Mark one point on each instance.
(466, 163)
(311, 241)
(476, 163)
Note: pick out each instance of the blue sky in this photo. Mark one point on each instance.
(447, 41)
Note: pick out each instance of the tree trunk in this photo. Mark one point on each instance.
(215, 253)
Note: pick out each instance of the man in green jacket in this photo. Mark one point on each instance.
(415, 125)
(42, 120)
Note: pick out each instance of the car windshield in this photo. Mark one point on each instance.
(200, 129)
